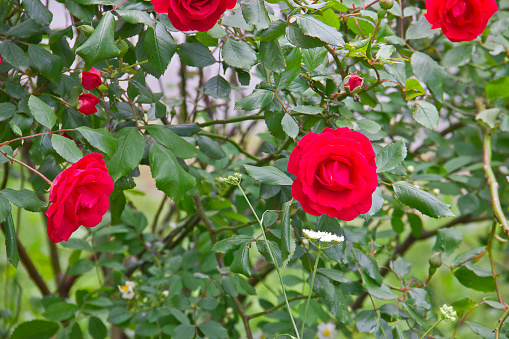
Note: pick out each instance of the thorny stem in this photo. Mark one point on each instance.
(311, 292)
(37, 135)
(500, 323)
(269, 247)
(25, 165)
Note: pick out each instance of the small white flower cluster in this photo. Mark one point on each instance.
(232, 179)
(325, 237)
(448, 313)
(127, 290)
(327, 331)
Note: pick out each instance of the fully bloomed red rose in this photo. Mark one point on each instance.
(336, 173)
(87, 103)
(91, 79)
(193, 15)
(79, 196)
(460, 20)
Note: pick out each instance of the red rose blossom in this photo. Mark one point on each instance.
(460, 20)
(336, 173)
(86, 103)
(91, 79)
(352, 82)
(79, 196)
(193, 15)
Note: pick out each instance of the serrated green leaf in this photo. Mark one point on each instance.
(269, 175)
(424, 202)
(100, 138)
(25, 199)
(128, 154)
(66, 148)
(390, 156)
(240, 263)
(424, 113)
(35, 329)
(159, 47)
(238, 53)
(42, 112)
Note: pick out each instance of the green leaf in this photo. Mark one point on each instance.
(184, 331)
(119, 315)
(25, 199)
(159, 47)
(50, 65)
(77, 244)
(423, 201)
(290, 126)
(238, 53)
(476, 278)
(210, 147)
(38, 12)
(213, 330)
(60, 311)
(96, 328)
(488, 116)
(136, 17)
(101, 44)
(390, 156)
(128, 154)
(195, 54)
(382, 292)
(369, 126)
(311, 110)
(458, 56)
(35, 329)
(258, 99)
(366, 320)
(180, 147)
(99, 138)
(272, 56)
(81, 266)
(5, 208)
(269, 175)
(286, 232)
(313, 27)
(276, 29)
(428, 71)
(42, 112)
(254, 12)
(413, 89)
(230, 244)
(240, 263)
(7, 110)
(11, 239)
(496, 88)
(419, 30)
(66, 148)
(170, 177)
(424, 113)
(24, 29)
(448, 240)
(147, 329)
(217, 87)
(463, 304)
(13, 54)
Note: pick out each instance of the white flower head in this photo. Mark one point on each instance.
(327, 331)
(448, 313)
(127, 290)
(325, 237)
(166, 293)
(259, 335)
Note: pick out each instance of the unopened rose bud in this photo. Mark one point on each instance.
(86, 29)
(410, 169)
(436, 260)
(386, 4)
(91, 79)
(87, 103)
(353, 83)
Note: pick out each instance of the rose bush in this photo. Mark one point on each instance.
(336, 173)
(460, 20)
(193, 15)
(79, 196)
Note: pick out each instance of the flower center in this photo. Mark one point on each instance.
(125, 288)
(459, 9)
(334, 173)
(327, 332)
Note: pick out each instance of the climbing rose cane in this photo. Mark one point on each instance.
(460, 20)
(336, 173)
(193, 15)
(79, 196)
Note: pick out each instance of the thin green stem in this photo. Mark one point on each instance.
(269, 247)
(311, 292)
(431, 328)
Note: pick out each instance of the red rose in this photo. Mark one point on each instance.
(336, 173)
(91, 79)
(79, 196)
(86, 103)
(460, 20)
(352, 82)
(193, 15)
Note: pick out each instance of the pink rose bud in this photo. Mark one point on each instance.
(91, 79)
(78, 196)
(353, 83)
(87, 103)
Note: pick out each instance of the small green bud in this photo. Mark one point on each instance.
(381, 13)
(86, 29)
(386, 4)
(436, 260)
